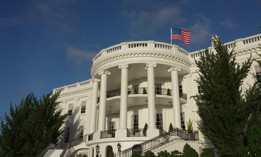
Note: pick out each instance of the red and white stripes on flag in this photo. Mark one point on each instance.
(181, 34)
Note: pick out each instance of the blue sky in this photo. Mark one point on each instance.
(46, 44)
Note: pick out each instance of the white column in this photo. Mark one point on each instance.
(94, 104)
(124, 96)
(103, 97)
(122, 131)
(152, 131)
(175, 95)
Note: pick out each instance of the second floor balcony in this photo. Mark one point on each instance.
(144, 90)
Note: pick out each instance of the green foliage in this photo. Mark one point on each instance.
(144, 91)
(188, 151)
(176, 153)
(149, 154)
(163, 154)
(190, 126)
(168, 92)
(145, 129)
(171, 128)
(221, 107)
(31, 126)
(254, 140)
(208, 152)
(136, 154)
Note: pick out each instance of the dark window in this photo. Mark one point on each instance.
(159, 122)
(182, 120)
(136, 122)
(135, 89)
(83, 107)
(158, 88)
(180, 89)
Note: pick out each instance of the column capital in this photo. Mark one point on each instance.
(104, 72)
(124, 66)
(150, 65)
(174, 69)
(95, 80)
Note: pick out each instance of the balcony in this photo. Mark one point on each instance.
(108, 134)
(143, 90)
(131, 132)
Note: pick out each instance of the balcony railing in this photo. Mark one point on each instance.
(131, 132)
(163, 138)
(143, 90)
(108, 134)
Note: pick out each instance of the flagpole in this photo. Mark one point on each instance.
(171, 35)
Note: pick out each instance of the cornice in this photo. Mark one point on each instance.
(75, 92)
(161, 55)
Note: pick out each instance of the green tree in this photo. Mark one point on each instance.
(188, 151)
(221, 106)
(149, 154)
(31, 126)
(253, 99)
(208, 152)
(163, 154)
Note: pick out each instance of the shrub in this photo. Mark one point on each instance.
(171, 128)
(208, 152)
(188, 151)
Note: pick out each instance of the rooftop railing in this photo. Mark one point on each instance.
(130, 46)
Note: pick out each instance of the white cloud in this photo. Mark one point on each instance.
(78, 56)
(229, 23)
(143, 23)
(201, 32)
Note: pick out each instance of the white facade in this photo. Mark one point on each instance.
(134, 83)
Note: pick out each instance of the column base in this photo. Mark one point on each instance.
(152, 132)
(121, 133)
(97, 135)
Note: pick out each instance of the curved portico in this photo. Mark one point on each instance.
(134, 80)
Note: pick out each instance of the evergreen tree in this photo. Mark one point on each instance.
(188, 151)
(253, 99)
(221, 106)
(31, 126)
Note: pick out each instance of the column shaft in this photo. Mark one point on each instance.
(175, 96)
(94, 104)
(124, 96)
(151, 96)
(103, 97)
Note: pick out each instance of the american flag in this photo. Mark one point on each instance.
(182, 35)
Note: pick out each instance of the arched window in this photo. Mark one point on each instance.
(109, 151)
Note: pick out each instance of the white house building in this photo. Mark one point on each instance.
(135, 84)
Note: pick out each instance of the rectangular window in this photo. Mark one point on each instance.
(159, 121)
(182, 121)
(67, 135)
(136, 122)
(258, 73)
(83, 107)
(158, 88)
(180, 89)
(135, 89)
